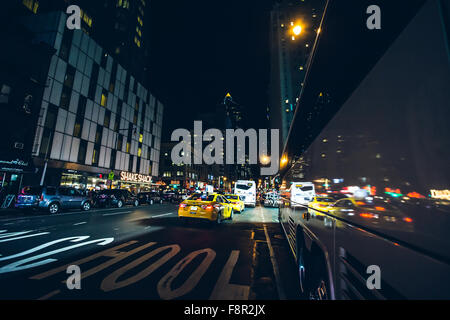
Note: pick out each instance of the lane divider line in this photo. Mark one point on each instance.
(162, 215)
(276, 271)
(115, 213)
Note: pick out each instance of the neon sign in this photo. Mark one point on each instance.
(135, 177)
(440, 194)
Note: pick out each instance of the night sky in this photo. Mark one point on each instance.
(200, 50)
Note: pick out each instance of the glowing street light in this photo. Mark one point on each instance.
(297, 30)
(284, 161)
(265, 159)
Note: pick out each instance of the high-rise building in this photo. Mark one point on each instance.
(294, 27)
(233, 113)
(96, 119)
(119, 26)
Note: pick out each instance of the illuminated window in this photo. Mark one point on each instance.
(141, 137)
(104, 100)
(137, 42)
(139, 152)
(86, 18)
(128, 147)
(139, 19)
(123, 4)
(32, 5)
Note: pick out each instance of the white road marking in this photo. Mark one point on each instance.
(162, 215)
(223, 290)
(115, 213)
(79, 223)
(165, 288)
(23, 237)
(150, 217)
(276, 271)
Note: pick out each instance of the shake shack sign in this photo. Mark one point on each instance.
(134, 177)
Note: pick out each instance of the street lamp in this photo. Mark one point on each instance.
(284, 161)
(265, 159)
(297, 30)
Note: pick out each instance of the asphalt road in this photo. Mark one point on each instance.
(146, 253)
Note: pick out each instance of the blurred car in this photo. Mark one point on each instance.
(150, 197)
(52, 199)
(236, 203)
(373, 212)
(183, 196)
(272, 199)
(213, 207)
(169, 197)
(116, 198)
(323, 203)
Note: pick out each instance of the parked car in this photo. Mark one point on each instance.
(149, 197)
(52, 199)
(116, 198)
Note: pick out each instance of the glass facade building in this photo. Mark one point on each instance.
(95, 116)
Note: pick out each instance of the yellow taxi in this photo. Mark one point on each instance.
(322, 203)
(236, 203)
(212, 207)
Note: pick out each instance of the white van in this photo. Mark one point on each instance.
(301, 193)
(246, 189)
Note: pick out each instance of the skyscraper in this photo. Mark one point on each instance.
(294, 27)
(97, 119)
(119, 26)
(233, 113)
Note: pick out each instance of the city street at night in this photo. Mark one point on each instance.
(135, 253)
(225, 158)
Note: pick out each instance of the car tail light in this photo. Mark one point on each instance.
(182, 205)
(207, 207)
(42, 197)
(367, 215)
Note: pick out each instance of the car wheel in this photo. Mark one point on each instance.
(231, 214)
(136, 203)
(86, 206)
(219, 218)
(53, 208)
(119, 204)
